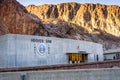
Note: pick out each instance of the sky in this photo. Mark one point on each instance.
(40, 2)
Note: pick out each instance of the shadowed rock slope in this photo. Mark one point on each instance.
(17, 20)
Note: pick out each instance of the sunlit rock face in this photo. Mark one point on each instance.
(93, 22)
(91, 17)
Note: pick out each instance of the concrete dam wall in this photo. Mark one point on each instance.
(27, 51)
(78, 74)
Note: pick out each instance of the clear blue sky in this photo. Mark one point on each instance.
(39, 2)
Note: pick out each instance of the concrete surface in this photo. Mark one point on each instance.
(91, 74)
(22, 50)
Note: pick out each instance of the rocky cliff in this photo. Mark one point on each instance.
(14, 18)
(91, 17)
(3, 28)
(90, 22)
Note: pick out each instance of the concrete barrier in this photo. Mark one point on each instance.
(88, 65)
(77, 74)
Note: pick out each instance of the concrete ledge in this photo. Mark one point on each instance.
(90, 65)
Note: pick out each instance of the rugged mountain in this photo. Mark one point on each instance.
(92, 22)
(91, 17)
(15, 19)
